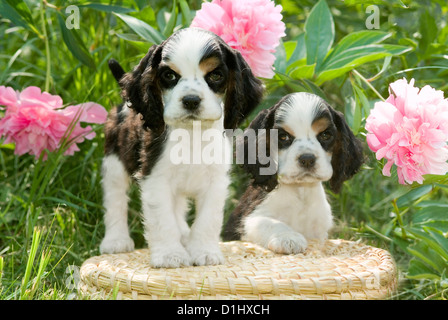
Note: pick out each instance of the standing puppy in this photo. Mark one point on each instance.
(192, 76)
(285, 208)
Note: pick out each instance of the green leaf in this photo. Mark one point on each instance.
(313, 88)
(369, 2)
(386, 65)
(356, 49)
(331, 74)
(75, 44)
(168, 30)
(19, 14)
(290, 47)
(319, 34)
(22, 9)
(361, 102)
(424, 253)
(8, 12)
(186, 12)
(303, 72)
(130, 37)
(353, 40)
(418, 270)
(433, 239)
(143, 29)
(412, 195)
(280, 58)
(440, 239)
(299, 51)
(135, 41)
(428, 31)
(363, 54)
(355, 57)
(431, 213)
(106, 8)
(440, 225)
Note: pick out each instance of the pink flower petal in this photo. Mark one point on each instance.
(35, 121)
(32, 96)
(253, 27)
(87, 112)
(387, 167)
(410, 130)
(8, 97)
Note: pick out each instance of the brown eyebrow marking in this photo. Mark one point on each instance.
(287, 129)
(321, 124)
(209, 64)
(170, 65)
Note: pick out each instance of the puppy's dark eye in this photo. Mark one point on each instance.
(215, 76)
(325, 136)
(284, 139)
(169, 76)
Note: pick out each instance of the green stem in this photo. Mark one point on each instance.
(378, 234)
(47, 47)
(368, 84)
(399, 219)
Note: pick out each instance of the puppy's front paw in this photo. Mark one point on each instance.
(202, 255)
(169, 258)
(287, 243)
(116, 245)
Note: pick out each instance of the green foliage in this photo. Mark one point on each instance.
(143, 29)
(319, 34)
(75, 45)
(51, 212)
(425, 235)
(314, 58)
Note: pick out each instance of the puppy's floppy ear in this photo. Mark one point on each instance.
(347, 155)
(244, 91)
(258, 135)
(142, 92)
(116, 69)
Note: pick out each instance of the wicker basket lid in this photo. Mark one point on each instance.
(334, 269)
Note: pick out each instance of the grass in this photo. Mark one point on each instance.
(51, 211)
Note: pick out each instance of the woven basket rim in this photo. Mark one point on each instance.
(333, 269)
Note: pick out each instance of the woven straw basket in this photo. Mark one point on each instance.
(334, 269)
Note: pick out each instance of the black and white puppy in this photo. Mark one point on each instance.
(282, 210)
(192, 76)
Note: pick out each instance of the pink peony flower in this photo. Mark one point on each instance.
(410, 130)
(36, 121)
(253, 27)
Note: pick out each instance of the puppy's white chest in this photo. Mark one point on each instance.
(305, 209)
(193, 164)
(287, 204)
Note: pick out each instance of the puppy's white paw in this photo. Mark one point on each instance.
(169, 258)
(287, 243)
(205, 255)
(116, 245)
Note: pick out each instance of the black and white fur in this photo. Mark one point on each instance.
(192, 76)
(283, 210)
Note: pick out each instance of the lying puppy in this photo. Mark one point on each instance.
(192, 77)
(281, 210)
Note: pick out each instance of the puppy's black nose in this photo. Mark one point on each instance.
(191, 102)
(307, 160)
